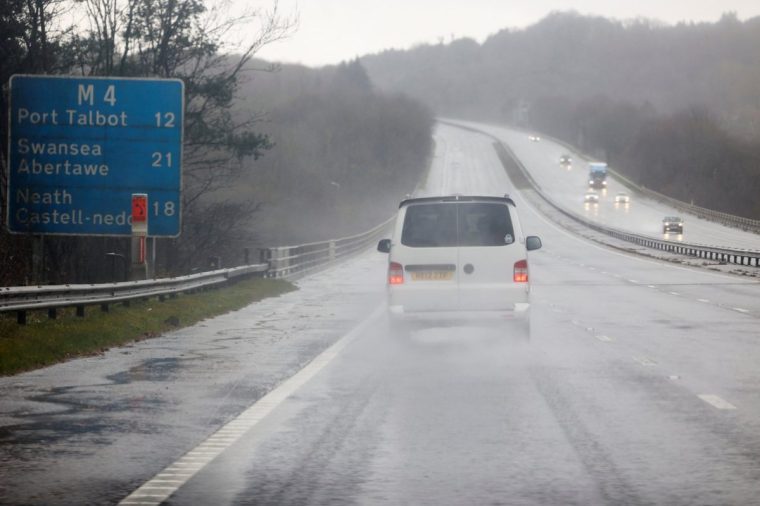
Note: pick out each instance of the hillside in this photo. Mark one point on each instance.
(664, 104)
(574, 57)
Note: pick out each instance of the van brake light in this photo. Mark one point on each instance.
(395, 273)
(521, 271)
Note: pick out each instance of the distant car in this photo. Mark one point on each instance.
(622, 198)
(565, 160)
(591, 198)
(534, 138)
(672, 224)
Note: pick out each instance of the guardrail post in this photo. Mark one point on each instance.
(283, 260)
(21, 317)
(80, 311)
(264, 258)
(52, 313)
(274, 262)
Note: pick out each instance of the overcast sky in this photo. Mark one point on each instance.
(331, 31)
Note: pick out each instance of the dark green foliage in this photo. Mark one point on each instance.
(689, 156)
(146, 38)
(577, 58)
(345, 155)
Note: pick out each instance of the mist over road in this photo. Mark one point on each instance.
(639, 385)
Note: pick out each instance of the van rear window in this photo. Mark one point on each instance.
(449, 224)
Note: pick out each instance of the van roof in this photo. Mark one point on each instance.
(458, 198)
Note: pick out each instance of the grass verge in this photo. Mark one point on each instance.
(44, 342)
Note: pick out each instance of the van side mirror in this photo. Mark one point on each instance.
(532, 242)
(384, 246)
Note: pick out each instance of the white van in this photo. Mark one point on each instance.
(458, 258)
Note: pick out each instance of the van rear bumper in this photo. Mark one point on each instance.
(519, 311)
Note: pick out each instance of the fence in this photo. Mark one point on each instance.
(288, 262)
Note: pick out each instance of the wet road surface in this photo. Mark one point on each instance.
(639, 385)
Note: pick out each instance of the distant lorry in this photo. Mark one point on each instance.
(597, 175)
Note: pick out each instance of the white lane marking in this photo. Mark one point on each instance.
(605, 339)
(618, 275)
(255, 413)
(674, 293)
(645, 361)
(674, 377)
(651, 286)
(633, 281)
(706, 301)
(741, 310)
(716, 401)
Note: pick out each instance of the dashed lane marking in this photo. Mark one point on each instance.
(716, 401)
(741, 310)
(605, 339)
(674, 293)
(645, 361)
(154, 491)
(705, 301)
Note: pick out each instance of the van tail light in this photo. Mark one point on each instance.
(521, 271)
(395, 273)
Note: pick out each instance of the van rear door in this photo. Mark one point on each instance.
(428, 252)
(488, 251)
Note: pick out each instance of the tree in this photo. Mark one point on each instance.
(182, 39)
(30, 42)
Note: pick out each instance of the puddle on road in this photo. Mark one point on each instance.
(155, 369)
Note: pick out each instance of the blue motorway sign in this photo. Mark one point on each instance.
(80, 147)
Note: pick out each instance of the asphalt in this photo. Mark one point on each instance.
(639, 385)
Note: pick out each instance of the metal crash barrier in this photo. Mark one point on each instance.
(720, 254)
(287, 262)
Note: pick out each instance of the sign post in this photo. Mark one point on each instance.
(139, 234)
(80, 147)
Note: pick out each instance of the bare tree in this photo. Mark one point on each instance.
(185, 39)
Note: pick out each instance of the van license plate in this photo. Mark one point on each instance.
(432, 275)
